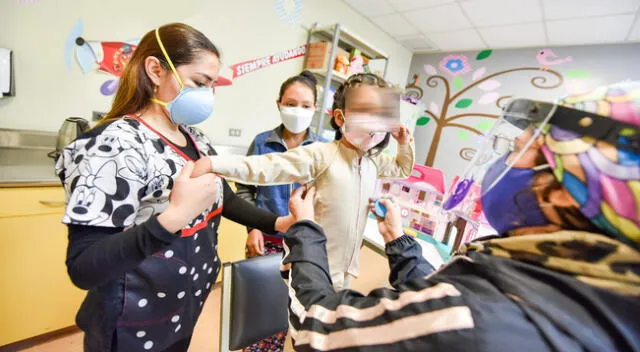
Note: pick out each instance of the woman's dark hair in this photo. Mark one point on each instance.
(544, 183)
(339, 102)
(305, 77)
(135, 91)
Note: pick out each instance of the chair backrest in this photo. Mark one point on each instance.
(254, 302)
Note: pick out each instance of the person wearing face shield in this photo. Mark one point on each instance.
(366, 114)
(560, 183)
(142, 228)
(297, 105)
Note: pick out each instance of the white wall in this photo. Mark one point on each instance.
(47, 93)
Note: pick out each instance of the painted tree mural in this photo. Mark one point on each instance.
(455, 66)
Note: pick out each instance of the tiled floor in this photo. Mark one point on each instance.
(205, 338)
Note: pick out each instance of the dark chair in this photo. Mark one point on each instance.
(254, 302)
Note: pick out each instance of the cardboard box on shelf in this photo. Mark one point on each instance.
(319, 54)
(319, 48)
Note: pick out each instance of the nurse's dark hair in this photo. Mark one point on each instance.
(340, 99)
(305, 77)
(136, 89)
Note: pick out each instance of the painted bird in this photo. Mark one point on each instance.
(546, 57)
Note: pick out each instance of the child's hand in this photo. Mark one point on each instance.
(255, 243)
(301, 204)
(390, 226)
(202, 166)
(402, 135)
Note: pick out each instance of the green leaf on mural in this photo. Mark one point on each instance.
(423, 121)
(577, 74)
(484, 54)
(464, 135)
(484, 125)
(457, 82)
(464, 103)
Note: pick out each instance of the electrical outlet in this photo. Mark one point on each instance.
(235, 132)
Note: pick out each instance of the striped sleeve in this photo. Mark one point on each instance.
(407, 318)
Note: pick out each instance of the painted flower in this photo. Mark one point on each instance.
(455, 64)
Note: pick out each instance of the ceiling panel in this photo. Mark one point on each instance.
(439, 19)
(371, 7)
(404, 5)
(529, 35)
(500, 12)
(593, 30)
(635, 32)
(459, 40)
(416, 43)
(396, 25)
(561, 9)
(454, 25)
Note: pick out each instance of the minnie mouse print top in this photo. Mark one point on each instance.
(146, 285)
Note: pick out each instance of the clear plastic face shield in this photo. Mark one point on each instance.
(518, 127)
(372, 109)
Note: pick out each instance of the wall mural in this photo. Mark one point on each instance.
(456, 75)
(105, 57)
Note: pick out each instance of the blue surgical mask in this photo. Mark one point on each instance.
(192, 105)
(511, 203)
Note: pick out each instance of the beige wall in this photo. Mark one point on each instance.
(47, 93)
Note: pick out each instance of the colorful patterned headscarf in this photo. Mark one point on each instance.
(603, 179)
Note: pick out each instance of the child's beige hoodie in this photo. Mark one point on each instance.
(344, 181)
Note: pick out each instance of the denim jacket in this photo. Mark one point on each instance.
(272, 198)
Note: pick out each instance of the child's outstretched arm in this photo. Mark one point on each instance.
(295, 165)
(398, 166)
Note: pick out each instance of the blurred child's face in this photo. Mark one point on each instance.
(370, 109)
(363, 100)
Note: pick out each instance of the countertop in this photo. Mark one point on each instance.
(42, 174)
(28, 176)
(373, 239)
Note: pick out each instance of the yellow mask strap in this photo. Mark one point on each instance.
(159, 102)
(166, 56)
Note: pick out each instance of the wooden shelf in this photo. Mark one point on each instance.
(340, 37)
(335, 75)
(353, 40)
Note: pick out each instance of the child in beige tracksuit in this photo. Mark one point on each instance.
(344, 172)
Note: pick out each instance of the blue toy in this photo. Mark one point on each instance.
(379, 209)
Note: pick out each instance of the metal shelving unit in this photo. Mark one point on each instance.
(339, 36)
